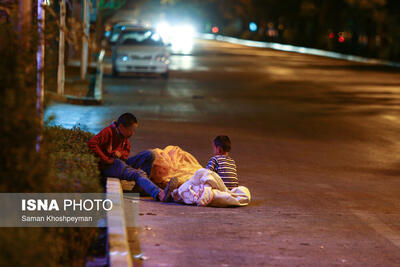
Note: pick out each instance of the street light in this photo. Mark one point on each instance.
(253, 26)
(215, 29)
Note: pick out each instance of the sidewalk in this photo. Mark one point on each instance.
(81, 92)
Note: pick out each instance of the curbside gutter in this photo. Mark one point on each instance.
(118, 246)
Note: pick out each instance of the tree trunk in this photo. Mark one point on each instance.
(99, 27)
(25, 19)
(85, 40)
(61, 51)
(41, 15)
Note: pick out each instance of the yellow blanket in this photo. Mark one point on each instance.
(197, 185)
(170, 162)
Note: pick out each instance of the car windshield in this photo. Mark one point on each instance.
(117, 29)
(140, 37)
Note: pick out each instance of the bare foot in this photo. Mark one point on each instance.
(176, 197)
(161, 195)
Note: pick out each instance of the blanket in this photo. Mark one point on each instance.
(170, 162)
(206, 188)
(198, 186)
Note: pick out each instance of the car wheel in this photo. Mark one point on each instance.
(165, 75)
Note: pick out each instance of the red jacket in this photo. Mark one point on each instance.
(107, 142)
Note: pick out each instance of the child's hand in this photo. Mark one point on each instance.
(110, 161)
(117, 154)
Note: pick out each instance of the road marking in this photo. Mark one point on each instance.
(232, 69)
(202, 68)
(390, 117)
(369, 219)
(379, 226)
(182, 68)
(326, 186)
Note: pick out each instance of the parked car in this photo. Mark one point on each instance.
(140, 50)
(113, 31)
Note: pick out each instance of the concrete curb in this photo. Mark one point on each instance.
(56, 97)
(297, 49)
(83, 100)
(118, 252)
(73, 99)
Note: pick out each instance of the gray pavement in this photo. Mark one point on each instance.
(316, 141)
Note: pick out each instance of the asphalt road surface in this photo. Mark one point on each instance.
(316, 140)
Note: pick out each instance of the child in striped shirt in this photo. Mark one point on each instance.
(221, 163)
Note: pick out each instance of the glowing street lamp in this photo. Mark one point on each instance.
(253, 26)
(215, 29)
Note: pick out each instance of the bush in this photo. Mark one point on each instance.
(70, 168)
(63, 163)
(74, 167)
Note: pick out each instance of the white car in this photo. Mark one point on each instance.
(140, 50)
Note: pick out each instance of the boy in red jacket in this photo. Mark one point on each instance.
(112, 146)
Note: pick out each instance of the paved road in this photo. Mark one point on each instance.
(316, 141)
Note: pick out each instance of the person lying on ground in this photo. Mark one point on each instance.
(112, 147)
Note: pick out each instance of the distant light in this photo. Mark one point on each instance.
(215, 29)
(180, 37)
(341, 39)
(253, 26)
(123, 28)
(156, 37)
(164, 30)
(107, 34)
(331, 35)
(125, 58)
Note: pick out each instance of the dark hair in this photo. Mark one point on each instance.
(223, 141)
(127, 119)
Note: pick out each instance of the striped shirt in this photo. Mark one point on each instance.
(225, 167)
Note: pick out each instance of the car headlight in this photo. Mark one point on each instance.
(162, 58)
(124, 57)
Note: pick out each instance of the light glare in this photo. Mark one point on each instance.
(180, 37)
